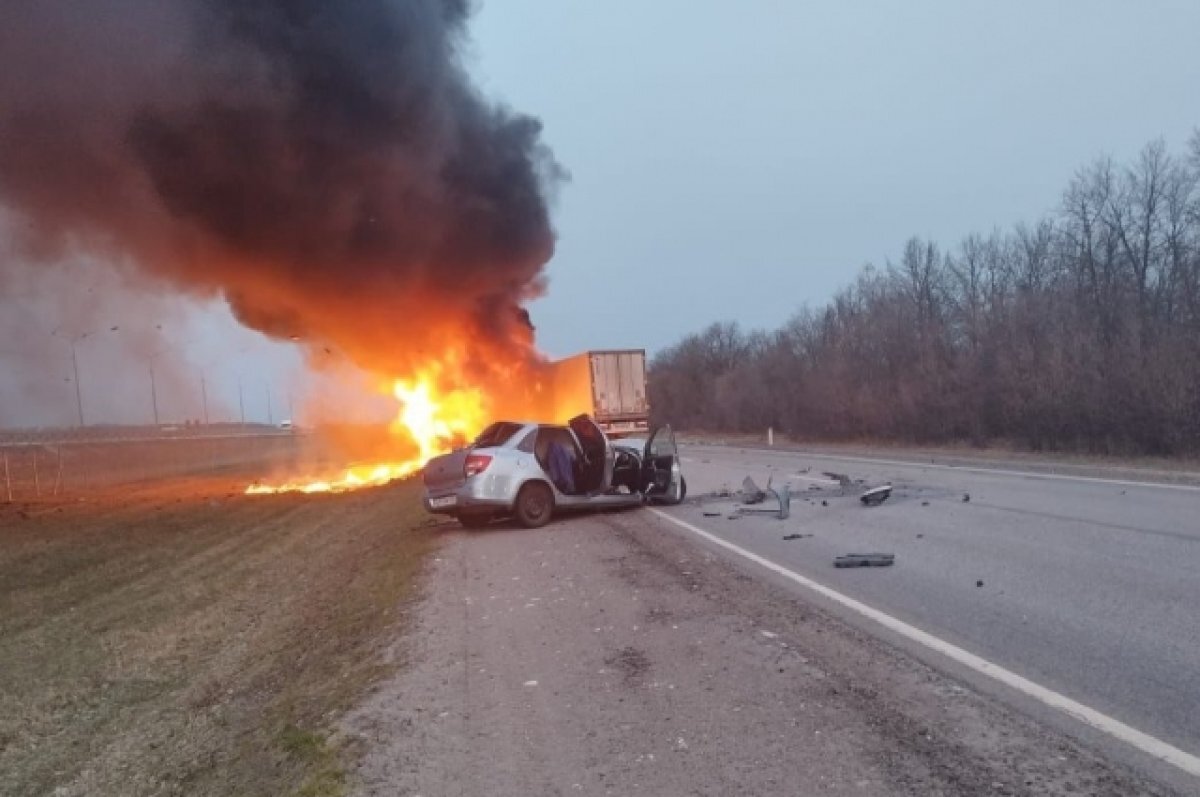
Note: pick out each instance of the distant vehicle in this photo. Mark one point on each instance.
(285, 425)
(530, 471)
(609, 385)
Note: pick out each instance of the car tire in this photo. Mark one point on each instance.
(682, 495)
(534, 505)
(474, 521)
(682, 490)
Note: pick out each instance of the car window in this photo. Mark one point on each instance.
(548, 435)
(662, 444)
(497, 434)
(528, 443)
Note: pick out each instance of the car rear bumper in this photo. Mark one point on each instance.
(475, 495)
(464, 504)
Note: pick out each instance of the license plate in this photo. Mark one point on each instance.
(442, 503)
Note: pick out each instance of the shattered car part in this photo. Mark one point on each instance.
(876, 495)
(783, 495)
(865, 560)
(752, 493)
(840, 478)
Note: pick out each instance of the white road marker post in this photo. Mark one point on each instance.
(771, 436)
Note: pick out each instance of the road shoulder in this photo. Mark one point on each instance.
(607, 655)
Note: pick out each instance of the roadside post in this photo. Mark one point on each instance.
(771, 436)
(7, 478)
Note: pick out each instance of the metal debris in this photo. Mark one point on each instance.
(795, 536)
(876, 495)
(840, 478)
(782, 494)
(966, 498)
(751, 493)
(865, 560)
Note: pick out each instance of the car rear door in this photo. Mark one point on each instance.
(596, 469)
(661, 473)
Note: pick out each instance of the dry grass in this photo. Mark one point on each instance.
(190, 641)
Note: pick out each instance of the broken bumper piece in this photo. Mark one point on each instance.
(865, 560)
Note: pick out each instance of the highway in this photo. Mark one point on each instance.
(1085, 584)
(1036, 639)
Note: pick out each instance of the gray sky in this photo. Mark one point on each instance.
(736, 160)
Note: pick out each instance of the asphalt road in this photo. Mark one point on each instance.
(1085, 584)
(621, 654)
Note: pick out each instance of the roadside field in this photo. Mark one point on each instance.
(182, 638)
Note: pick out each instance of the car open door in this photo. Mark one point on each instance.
(595, 471)
(661, 474)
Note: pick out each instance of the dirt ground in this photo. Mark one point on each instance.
(182, 638)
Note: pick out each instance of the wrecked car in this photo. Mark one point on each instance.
(530, 471)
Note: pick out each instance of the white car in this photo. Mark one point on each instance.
(529, 471)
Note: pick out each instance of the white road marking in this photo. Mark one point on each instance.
(976, 469)
(1085, 714)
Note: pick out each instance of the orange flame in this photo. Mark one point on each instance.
(432, 418)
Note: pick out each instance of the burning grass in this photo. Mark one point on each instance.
(178, 642)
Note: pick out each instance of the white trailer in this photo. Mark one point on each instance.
(608, 384)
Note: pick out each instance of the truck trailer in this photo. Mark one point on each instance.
(609, 385)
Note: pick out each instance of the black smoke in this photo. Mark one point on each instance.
(327, 167)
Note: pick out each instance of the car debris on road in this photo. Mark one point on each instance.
(752, 493)
(876, 495)
(782, 494)
(840, 478)
(865, 560)
(795, 536)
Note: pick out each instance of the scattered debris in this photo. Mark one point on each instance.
(751, 493)
(795, 536)
(782, 494)
(920, 536)
(924, 503)
(876, 495)
(711, 513)
(840, 478)
(979, 583)
(824, 502)
(865, 560)
(966, 498)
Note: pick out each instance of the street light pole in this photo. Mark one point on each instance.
(78, 392)
(204, 397)
(270, 418)
(241, 401)
(153, 394)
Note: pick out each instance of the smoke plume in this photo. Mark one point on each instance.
(326, 167)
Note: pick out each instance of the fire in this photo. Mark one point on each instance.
(431, 418)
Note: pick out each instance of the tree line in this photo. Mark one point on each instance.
(1079, 331)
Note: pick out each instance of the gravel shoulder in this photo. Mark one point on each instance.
(607, 655)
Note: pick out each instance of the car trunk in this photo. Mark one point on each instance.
(447, 470)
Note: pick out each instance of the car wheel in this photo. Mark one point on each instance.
(474, 521)
(535, 504)
(682, 490)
